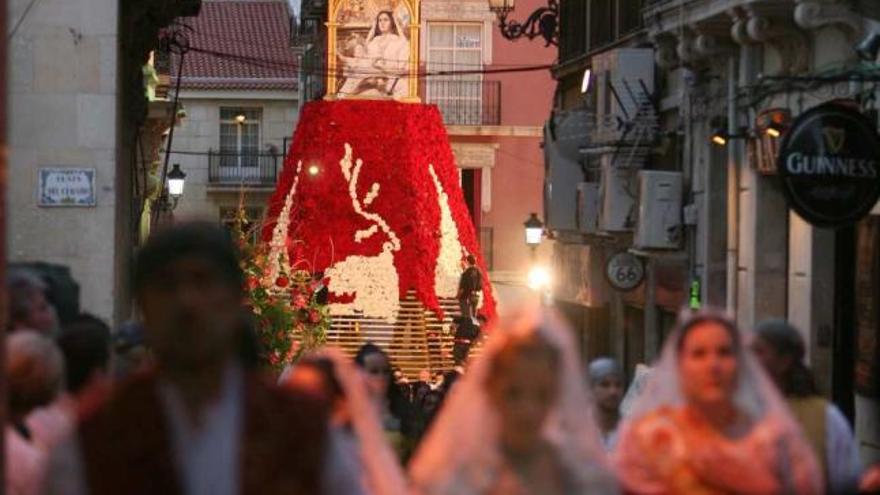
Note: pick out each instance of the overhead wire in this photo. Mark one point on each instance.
(251, 43)
(277, 64)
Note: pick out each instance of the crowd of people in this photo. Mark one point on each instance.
(177, 404)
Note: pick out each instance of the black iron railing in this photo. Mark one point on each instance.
(243, 167)
(465, 102)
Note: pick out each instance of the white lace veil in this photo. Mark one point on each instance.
(756, 398)
(462, 447)
(382, 474)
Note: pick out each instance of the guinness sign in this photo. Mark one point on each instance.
(829, 164)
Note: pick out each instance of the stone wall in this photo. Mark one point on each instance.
(62, 113)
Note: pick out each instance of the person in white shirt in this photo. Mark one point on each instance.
(200, 422)
(606, 381)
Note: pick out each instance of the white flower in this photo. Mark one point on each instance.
(448, 268)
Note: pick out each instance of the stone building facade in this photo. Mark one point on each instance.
(77, 100)
(724, 65)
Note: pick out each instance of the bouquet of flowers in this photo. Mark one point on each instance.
(290, 318)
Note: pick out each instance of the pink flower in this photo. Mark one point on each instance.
(300, 301)
(314, 316)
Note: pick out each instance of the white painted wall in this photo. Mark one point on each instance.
(200, 131)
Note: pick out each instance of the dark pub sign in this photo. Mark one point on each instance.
(829, 164)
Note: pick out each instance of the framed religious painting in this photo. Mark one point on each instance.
(373, 49)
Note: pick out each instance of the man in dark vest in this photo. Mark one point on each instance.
(200, 421)
(470, 285)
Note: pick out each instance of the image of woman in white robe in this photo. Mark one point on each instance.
(378, 67)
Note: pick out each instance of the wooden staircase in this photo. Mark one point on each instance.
(416, 340)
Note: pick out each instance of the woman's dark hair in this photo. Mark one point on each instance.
(688, 323)
(85, 344)
(398, 403)
(366, 350)
(390, 15)
(248, 345)
(786, 340)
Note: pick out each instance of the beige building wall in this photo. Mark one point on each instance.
(200, 132)
(62, 92)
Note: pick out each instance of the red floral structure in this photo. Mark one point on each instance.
(370, 188)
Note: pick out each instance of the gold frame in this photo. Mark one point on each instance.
(332, 64)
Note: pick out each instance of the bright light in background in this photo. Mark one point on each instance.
(314, 170)
(585, 84)
(774, 130)
(539, 278)
(533, 236)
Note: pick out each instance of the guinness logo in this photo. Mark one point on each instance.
(835, 138)
(829, 165)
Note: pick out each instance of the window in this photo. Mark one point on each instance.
(602, 20)
(253, 220)
(456, 47)
(573, 40)
(589, 25)
(240, 137)
(629, 15)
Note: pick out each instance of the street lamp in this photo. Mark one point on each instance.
(543, 22)
(534, 231)
(176, 179)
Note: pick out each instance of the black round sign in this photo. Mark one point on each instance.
(829, 164)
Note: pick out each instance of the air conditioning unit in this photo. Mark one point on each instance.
(660, 209)
(562, 173)
(624, 79)
(618, 197)
(588, 207)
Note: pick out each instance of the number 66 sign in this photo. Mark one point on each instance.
(624, 271)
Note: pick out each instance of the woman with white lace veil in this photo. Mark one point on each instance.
(710, 421)
(358, 447)
(520, 421)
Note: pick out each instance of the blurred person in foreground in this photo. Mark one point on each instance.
(200, 421)
(85, 345)
(34, 375)
(520, 421)
(29, 307)
(361, 461)
(606, 382)
(710, 421)
(781, 350)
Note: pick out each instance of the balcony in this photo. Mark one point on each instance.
(474, 103)
(243, 168)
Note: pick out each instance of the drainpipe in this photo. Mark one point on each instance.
(732, 188)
